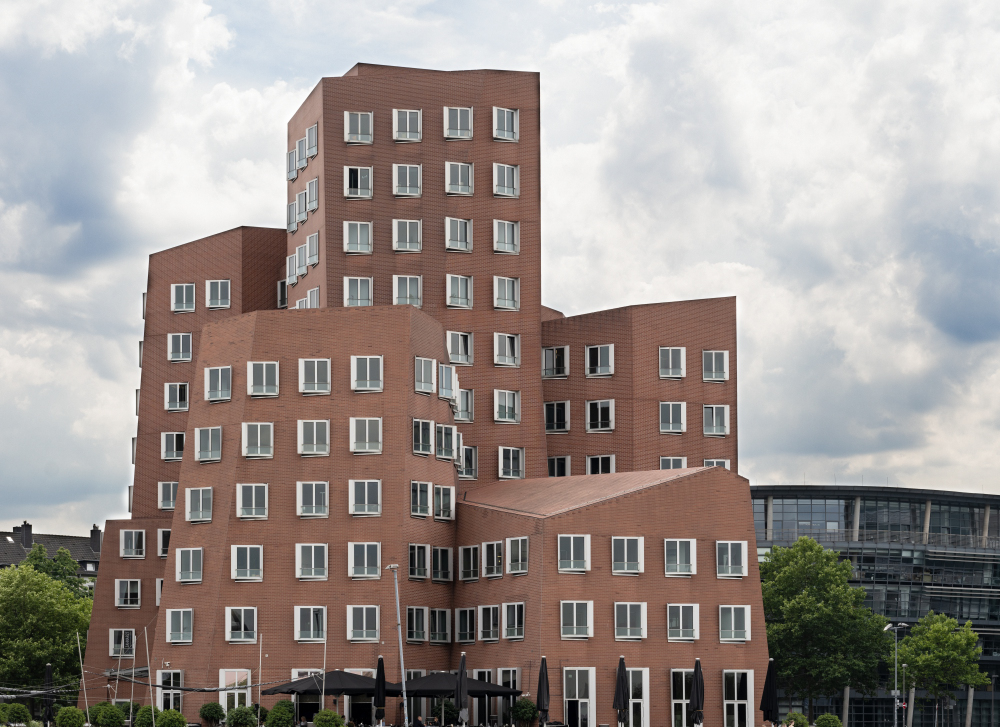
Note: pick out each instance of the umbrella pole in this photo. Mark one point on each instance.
(152, 705)
(322, 694)
(260, 676)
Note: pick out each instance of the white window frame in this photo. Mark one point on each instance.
(683, 463)
(643, 627)
(292, 217)
(468, 395)
(413, 570)
(494, 619)
(395, 180)
(159, 591)
(422, 447)
(674, 427)
(347, 187)
(725, 363)
(555, 404)
(462, 637)
(179, 572)
(693, 547)
(111, 643)
(162, 551)
(199, 453)
(354, 375)
(736, 702)
(397, 242)
(492, 564)
(246, 440)
(436, 572)
(510, 475)
(187, 504)
(325, 575)
(590, 621)
(208, 387)
(516, 131)
(229, 634)
(592, 457)
(347, 291)
(350, 624)
(553, 375)
(447, 180)
(312, 141)
(282, 300)
(435, 614)
(233, 549)
(162, 503)
(312, 204)
(523, 550)
(497, 281)
(374, 576)
(728, 574)
(301, 204)
(447, 235)
(419, 383)
(472, 115)
(586, 554)
(418, 638)
(669, 372)
(239, 501)
(166, 396)
(301, 155)
(505, 394)
(138, 593)
(725, 413)
(695, 619)
(169, 617)
(208, 294)
(471, 574)
(447, 381)
(319, 388)
(438, 511)
(611, 361)
(516, 228)
(297, 632)
(291, 166)
(611, 415)
(724, 463)
(170, 345)
(420, 290)
(515, 170)
(468, 473)
(457, 302)
(395, 126)
(277, 379)
(359, 135)
(352, 505)
(347, 237)
(641, 565)
(353, 444)
(496, 350)
(505, 626)
(418, 489)
(746, 621)
(552, 461)
(300, 500)
(449, 341)
(185, 307)
(318, 450)
(135, 555)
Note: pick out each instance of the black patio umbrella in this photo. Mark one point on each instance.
(697, 703)
(462, 692)
(769, 699)
(48, 715)
(620, 702)
(379, 699)
(337, 682)
(542, 698)
(442, 684)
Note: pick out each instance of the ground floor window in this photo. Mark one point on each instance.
(578, 696)
(235, 684)
(737, 686)
(680, 696)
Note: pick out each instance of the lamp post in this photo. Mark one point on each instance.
(394, 567)
(895, 672)
(906, 704)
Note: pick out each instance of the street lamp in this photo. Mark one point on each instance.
(394, 567)
(895, 692)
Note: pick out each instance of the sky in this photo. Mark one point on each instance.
(834, 165)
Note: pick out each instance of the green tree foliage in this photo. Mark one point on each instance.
(450, 712)
(212, 713)
(70, 717)
(39, 621)
(109, 716)
(241, 717)
(820, 633)
(327, 718)
(939, 655)
(524, 712)
(17, 713)
(797, 719)
(828, 720)
(3, 712)
(282, 714)
(144, 717)
(61, 568)
(170, 718)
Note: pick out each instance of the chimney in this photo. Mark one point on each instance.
(26, 540)
(95, 539)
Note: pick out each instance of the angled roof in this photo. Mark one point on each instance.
(550, 496)
(12, 553)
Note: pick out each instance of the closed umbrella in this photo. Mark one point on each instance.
(542, 699)
(769, 699)
(48, 715)
(621, 692)
(697, 704)
(379, 700)
(462, 692)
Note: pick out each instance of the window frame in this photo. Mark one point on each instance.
(715, 463)
(643, 622)
(674, 427)
(516, 114)
(447, 234)
(440, 489)
(178, 563)
(422, 447)
(347, 128)
(347, 237)
(188, 491)
(746, 621)
(297, 632)
(246, 440)
(496, 350)
(683, 357)
(460, 412)
(505, 626)
(744, 566)
(187, 396)
(239, 501)
(611, 361)
(137, 553)
(493, 565)
(185, 287)
(412, 567)
(516, 228)
(169, 617)
(199, 453)
(683, 461)
(566, 360)
(371, 182)
(424, 636)
(229, 634)
(562, 625)
(447, 177)
(111, 644)
(350, 623)
(396, 242)
(695, 622)
(524, 551)
(736, 703)
(303, 384)
(318, 451)
(312, 204)
(208, 384)
(515, 174)
(470, 359)
(459, 137)
(590, 428)
(510, 475)
(351, 499)
(451, 300)
(435, 614)
(180, 356)
(419, 487)
(469, 575)
(433, 367)
(277, 380)
(467, 473)
(300, 498)
(351, 564)
(347, 291)
(641, 564)
(435, 550)
(502, 393)
(499, 280)
(162, 550)
(566, 416)
(354, 375)
(395, 126)
(369, 450)
(208, 294)
(233, 562)
(553, 464)
(725, 413)
(326, 562)
(725, 364)
(586, 554)
(471, 615)
(598, 457)
(160, 502)
(693, 554)
(494, 619)
(396, 300)
(128, 604)
(395, 180)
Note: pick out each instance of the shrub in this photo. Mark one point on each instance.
(797, 719)
(170, 718)
(144, 717)
(524, 712)
(212, 712)
(3, 712)
(828, 720)
(128, 708)
(241, 717)
(108, 716)
(18, 714)
(280, 716)
(70, 717)
(327, 718)
(261, 711)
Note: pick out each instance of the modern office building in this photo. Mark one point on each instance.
(913, 551)
(378, 384)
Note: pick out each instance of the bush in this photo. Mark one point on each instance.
(524, 712)
(129, 709)
(108, 716)
(281, 715)
(70, 717)
(3, 712)
(144, 717)
(170, 718)
(212, 712)
(327, 718)
(241, 717)
(261, 711)
(828, 720)
(18, 714)
(797, 719)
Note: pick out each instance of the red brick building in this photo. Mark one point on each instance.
(379, 384)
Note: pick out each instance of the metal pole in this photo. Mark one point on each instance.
(993, 691)
(904, 687)
(260, 666)
(895, 678)
(152, 706)
(394, 567)
(83, 678)
(322, 696)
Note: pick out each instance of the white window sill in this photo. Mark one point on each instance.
(672, 431)
(625, 573)
(315, 393)
(599, 431)
(674, 640)
(314, 454)
(366, 451)
(573, 638)
(678, 575)
(571, 572)
(557, 431)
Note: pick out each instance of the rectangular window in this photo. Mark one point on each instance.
(493, 559)
(209, 441)
(673, 417)
(133, 543)
(630, 621)
(169, 690)
(716, 420)
(291, 168)
(419, 556)
(182, 298)
(258, 439)
(457, 122)
(314, 438)
(416, 623)
(506, 128)
(420, 498)
(291, 268)
(489, 623)
(292, 218)
(314, 375)
(168, 495)
(406, 124)
(175, 397)
(406, 235)
(180, 625)
(199, 504)
(458, 234)
(574, 553)
(358, 237)
(511, 463)
(556, 416)
(447, 381)
(459, 178)
(407, 178)
(517, 555)
(679, 557)
(601, 464)
(737, 690)
(364, 560)
(465, 625)
(734, 623)
(506, 237)
(358, 182)
(559, 466)
(506, 349)
(507, 406)
(460, 348)
(163, 542)
(577, 618)
(282, 294)
(362, 623)
(441, 564)
(601, 360)
(312, 203)
(358, 127)
(506, 180)
(715, 365)
(252, 501)
(422, 436)
(312, 140)
(366, 373)
(444, 497)
(301, 157)
(357, 292)
(465, 405)
(310, 561)
(555, 362)
(262, 378)
(680, 696)
(366, 436)
(601, 415)
(673, 463)
(440, 626)
(469, 559)
(468, 466)
(122, 643)
(188, 565)
(301, 213)
(312, 298)
(459, 291)
(731, 558)
(724, 463)
(366, 497)
(627, 556)
(242, 624)
(407, 289)
(313, 499)
(217, 293)
(310, 623)
(127, 593)
(513, 620)
(179, 347)
(424, 371)
(682, 622)
(672, 362)
(247, 562)
(218, 383)
(506, 293)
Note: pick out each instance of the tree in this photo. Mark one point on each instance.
(282, 714)
(820, 633)
(170, 718)
(17, 713)
(212, 712)
(327, 718)
(144, 717)
(61, 568)
(70, 717)
(241, 717)
(524, 712)
(39, 622)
